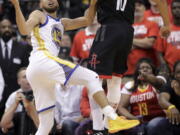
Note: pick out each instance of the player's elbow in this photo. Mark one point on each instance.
(24, 31)
(89, 21)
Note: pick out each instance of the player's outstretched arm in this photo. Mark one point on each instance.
(163, 9)
(79, 22)
(25, 27)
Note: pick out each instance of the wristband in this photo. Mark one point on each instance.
(171, 106)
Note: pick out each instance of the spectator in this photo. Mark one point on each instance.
(145, 33)
(169, 49)
(15, 105)
(141, 96)
(65, 47)
(67, 112)
(1, 84)
(153, 14)
(170, 101)
(13, 56)
(83, 41)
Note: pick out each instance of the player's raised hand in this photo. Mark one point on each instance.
(165, 31)
(14, 2)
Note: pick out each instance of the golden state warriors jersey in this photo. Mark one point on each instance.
(48, 36)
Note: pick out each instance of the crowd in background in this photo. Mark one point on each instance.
(150, 90)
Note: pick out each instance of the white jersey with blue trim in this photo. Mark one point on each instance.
(48, 36)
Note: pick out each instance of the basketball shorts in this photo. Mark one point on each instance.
(110, 49)
(45, 71)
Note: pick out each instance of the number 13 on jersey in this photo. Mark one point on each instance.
(120, 5)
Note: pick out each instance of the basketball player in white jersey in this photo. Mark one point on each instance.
(46, 69)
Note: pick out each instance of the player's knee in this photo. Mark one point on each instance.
(93, 77)
(94, 85)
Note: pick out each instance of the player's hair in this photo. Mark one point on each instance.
(175, 65)
(19, 71)
(137, 73)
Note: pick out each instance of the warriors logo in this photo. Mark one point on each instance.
(56, 35)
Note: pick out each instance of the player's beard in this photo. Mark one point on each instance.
(50, 10)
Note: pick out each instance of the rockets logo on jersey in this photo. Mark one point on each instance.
(56, 35)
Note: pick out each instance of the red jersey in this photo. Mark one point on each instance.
(170, 47)
(149, 15)
(81, 44)
(141, 30)
(156, 17)
(144, 102)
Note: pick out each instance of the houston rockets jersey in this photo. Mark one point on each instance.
(144, 102)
